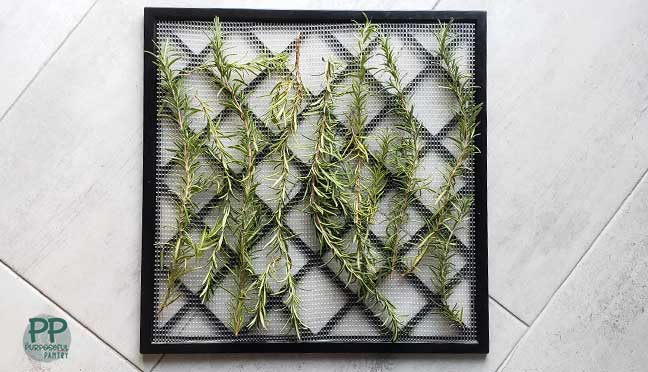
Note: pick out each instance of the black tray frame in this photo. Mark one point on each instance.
(151, 17)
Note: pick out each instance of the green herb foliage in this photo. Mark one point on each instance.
(367, 180)
(287, 98)
(229, 78)
(344, 184)
(451, 208)
(327, 185)
(404, 161)
(213, 238)
(175, 105)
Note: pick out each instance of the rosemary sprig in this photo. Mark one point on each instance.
(287, 97)
(450, 208)
(326, 197)
(263, 291)
(175, 105)
(405, 159)
(366, 191)
(466, 113)
(327, 185)
(442, 267)
(213, 238)
(228, 76)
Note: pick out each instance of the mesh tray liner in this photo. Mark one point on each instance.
(330, 310)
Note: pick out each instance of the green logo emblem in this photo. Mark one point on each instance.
(47, 338)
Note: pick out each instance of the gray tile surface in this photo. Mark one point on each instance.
(30, 32)
(597, 321)
(568, 127)
(568, 124)
(86, 352)
(74, 232)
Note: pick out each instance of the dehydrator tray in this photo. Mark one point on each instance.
(336, 313)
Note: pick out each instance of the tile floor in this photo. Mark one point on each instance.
(568, 191)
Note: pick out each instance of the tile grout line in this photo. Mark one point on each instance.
(596, 238)
(616, 211)
(61, 308)
(157, 363)
(510, 353)
(47, 61)
(508, 311)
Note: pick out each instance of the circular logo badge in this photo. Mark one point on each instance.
(47, 338)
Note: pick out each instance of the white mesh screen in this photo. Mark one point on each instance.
(329, 309)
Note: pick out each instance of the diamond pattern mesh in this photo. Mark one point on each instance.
(330, 309)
